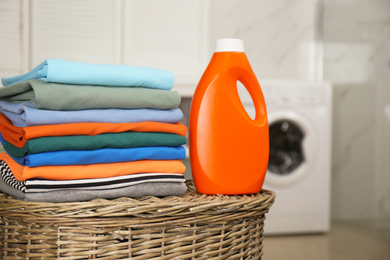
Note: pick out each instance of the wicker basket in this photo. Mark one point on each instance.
(191, 226)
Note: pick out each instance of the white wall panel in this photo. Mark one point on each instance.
(169, 34)
(87, 31)
(10, 38)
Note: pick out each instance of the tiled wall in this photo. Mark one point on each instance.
(281, 37)
(357, 60)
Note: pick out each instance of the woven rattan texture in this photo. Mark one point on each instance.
(191, 226)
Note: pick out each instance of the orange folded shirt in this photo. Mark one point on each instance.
(92, 171)
(18, 136)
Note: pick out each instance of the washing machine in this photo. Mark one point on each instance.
(299, 169)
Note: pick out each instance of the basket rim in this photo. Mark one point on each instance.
(190, 203)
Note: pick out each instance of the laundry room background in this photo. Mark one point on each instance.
(351, 52)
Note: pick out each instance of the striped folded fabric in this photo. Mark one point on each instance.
(92, 171)
(145, 184)
(43, 185)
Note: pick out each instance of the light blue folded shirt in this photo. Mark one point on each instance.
(70, 72)
(25, 114)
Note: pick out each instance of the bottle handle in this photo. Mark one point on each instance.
(249, 81)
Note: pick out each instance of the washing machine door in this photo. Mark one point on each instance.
(292, 147)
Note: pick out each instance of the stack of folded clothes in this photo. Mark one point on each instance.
(76, 131)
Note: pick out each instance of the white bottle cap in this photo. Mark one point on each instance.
(226, 45)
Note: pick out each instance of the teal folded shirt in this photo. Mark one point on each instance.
(70, 72)
(93, 142)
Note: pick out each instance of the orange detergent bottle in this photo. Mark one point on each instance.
(228, 149)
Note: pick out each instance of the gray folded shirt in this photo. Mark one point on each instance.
(54, 96)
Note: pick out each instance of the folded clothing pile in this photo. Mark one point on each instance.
(76, 131)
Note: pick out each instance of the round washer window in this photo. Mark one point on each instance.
(286, 151)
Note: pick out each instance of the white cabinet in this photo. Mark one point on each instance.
(171, 34)
(11, 38)
(85, 31)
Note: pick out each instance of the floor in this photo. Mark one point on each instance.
(347, 240)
